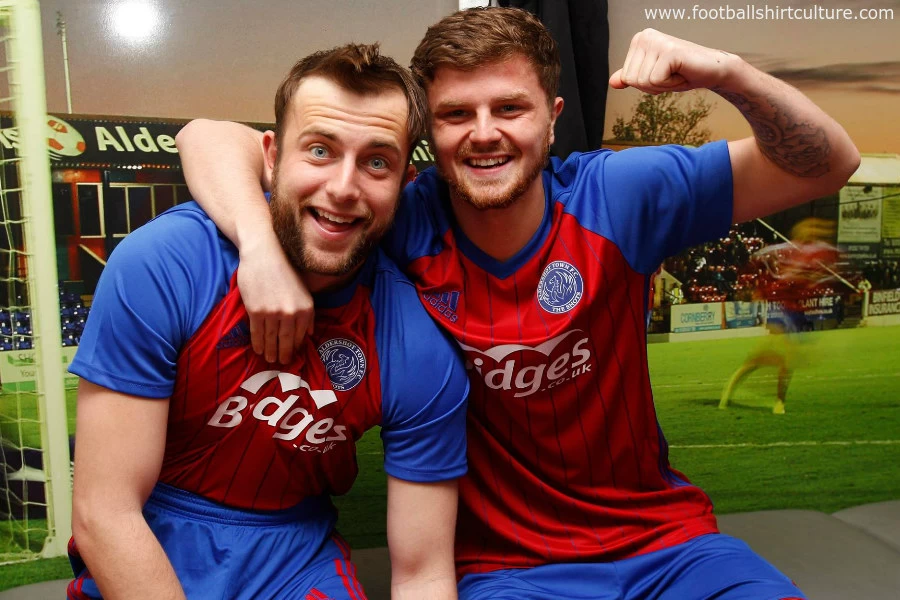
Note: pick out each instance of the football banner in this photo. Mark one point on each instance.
(859, 214)
(890, 213)
(742, 314)
(821, 307)
(884, 302)
(86, 142)
(696, 317)
(890, 224)
(17, 369)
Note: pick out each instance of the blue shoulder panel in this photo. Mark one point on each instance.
(420, 222)
(423, 381)
(652, 202)
(156, 290)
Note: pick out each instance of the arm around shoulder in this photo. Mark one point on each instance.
(224, 167)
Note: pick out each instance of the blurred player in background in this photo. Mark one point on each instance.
(790, 273)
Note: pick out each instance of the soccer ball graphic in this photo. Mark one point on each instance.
(63, 139)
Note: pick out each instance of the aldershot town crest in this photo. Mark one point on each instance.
(345, 363)
(560, 288)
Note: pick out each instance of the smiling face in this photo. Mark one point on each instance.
(337, 173)
(491, 129)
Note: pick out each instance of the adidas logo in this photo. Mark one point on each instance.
(444, 303)
(238, 336)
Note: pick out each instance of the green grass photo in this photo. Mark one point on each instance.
(838, 445)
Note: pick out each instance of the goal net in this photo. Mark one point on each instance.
(35, 480)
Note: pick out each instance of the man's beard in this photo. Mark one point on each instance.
(286, 220)
(459, 188)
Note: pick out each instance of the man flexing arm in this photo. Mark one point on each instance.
(798, 153)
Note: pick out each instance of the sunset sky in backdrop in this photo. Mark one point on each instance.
(224, 58)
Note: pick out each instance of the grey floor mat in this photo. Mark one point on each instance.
(828, 558)
(880, 519)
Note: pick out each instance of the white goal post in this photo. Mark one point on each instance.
(20, 28)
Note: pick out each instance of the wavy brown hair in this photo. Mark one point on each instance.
(471, 38)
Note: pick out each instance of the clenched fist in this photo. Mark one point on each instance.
(658, 63)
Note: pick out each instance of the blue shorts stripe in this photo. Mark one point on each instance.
(710, 566)
(220, 552)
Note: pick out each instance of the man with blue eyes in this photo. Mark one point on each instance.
(203, 470)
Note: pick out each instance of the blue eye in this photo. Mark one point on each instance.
(378, 163)
(319, 151)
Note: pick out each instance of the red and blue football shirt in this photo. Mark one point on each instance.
(567, 462)
(167, 321)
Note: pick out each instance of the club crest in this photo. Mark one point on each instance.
(345, 363)
(560, 288)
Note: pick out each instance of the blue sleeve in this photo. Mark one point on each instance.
(425, 388)
(652, 202)
(157, 288)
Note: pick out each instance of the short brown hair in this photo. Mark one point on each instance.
(470, 38)
(358, 68)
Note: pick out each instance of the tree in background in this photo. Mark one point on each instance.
(665, 119)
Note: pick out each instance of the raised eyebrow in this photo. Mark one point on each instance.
(385, 145)
(330, 135)
(318, 132)
(455, 104)
(450, 105)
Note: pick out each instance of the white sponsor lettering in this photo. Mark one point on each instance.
(885, 308)
(318, 449)
(105, 139)
(10, 138)
(879, 296)
(282, 406)
(121, 131)
(422, 153)
(316, 433)
(167, 143)
(231, 411)
(292, 430)
(289, 382)
(509, 375)
(142, 140)
(280, 413)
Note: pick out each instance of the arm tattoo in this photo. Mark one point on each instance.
(799, 148)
